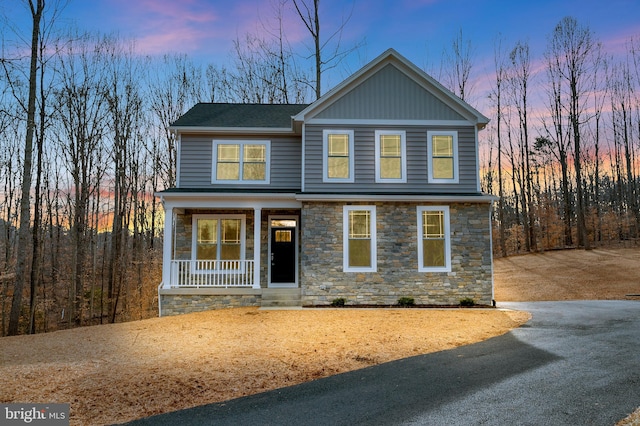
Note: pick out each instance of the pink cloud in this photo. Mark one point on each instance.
(161, 26)
(197, 26)
(618, 43)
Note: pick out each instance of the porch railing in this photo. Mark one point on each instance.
(212, 273)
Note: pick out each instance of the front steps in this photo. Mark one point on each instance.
(286, 298)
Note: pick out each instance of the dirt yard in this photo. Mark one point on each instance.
(119, 372)
(599, 274)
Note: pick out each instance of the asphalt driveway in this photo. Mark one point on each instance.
(574, 363)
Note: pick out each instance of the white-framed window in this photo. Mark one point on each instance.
(442, 150)
(359, 239)
(391, 156)
(338, 163)
(434, 239)
(218, 241)
(237, 161)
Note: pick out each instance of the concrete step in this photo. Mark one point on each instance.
(281, 297)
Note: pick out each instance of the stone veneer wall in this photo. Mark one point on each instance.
(184, 301)
(397, 259)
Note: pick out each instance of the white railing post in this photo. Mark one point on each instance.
(167, 247)
(257, 218)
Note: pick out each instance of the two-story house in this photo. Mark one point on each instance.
(370, 193)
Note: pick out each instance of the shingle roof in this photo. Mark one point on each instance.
(239, 115)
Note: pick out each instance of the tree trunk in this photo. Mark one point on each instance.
(25, 201)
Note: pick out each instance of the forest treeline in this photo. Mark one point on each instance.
(85, 144)
(562, 149)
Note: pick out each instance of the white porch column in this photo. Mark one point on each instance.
(167, 246)
(257, 246)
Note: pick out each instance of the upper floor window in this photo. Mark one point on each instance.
(338, 157)
(359, 239)
(442, 149)
(391, 158)
(434, 239)
(241, 161)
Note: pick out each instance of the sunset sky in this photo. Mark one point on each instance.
(418, 29)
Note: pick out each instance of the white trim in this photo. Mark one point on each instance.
(226, 202)
(167, 246)
(447, 239)
(477, 148)
(453, 198)
(403, 156)
(398, 123)
(165, 195)
(325, 156)
(491, 251)
(294, 201)
(345, 239)
(456, 169)
(257, 246)
(297, 233)
(302, 160)
(178, 159)
(241, 143)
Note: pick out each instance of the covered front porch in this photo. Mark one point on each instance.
(229, 246)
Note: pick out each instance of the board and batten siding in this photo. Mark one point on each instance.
(364, 144)
(196, 163)
(389, 94)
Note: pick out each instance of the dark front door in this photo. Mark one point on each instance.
(283, 255)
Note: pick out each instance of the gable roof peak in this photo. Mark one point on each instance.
(391, 56)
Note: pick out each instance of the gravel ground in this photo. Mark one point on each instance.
(119, 372)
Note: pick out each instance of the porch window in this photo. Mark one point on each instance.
(338, 156)
(391, 162)
(434, 239)
(442, 147)
(218, 238)
(359, 239)
(241, 161)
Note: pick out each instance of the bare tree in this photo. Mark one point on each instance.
(10, 153)
(622, 105)
(520, 76)
(328, 52)
(36, 7)
(262, 72)
(81, 111)
(497, 97)
(174, 88)
(125, 103)
(575, 54)
(557, 142)
(457, 66)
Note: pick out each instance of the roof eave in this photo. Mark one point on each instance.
(233, 130)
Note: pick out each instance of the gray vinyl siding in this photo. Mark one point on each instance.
(196, 163)
(389, 94)
(416, 139)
